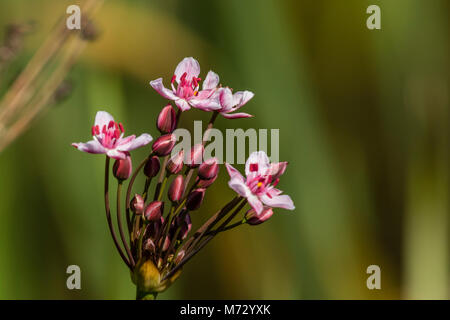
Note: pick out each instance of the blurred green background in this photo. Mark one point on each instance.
(364, 123)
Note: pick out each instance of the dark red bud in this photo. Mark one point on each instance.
(176, 189)
(196, 156)
(205, 183)
(154, 211)
(208, 169)
(152, 166)
(122, 168)
(164, 144)
(137, 204)
(186, 226)
(254, 219)
(195, 199)
(166, 244)
(175, 164)
(166, 122)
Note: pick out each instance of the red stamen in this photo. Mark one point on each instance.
(174, 77)
(93, 130)
(253, 167)
(268, 194)
(111, 124)
(196, 81)
(183, 78)
(121, 127)
(276, 182)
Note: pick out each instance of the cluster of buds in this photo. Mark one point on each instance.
(158, 220)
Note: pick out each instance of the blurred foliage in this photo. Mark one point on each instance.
(363, 118)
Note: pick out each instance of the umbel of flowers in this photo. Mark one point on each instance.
(157, 239)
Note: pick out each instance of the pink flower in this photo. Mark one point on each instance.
(186, 93)
(108, 138)
(259, 186)
(230, 102)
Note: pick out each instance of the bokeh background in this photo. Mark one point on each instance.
(363, 118)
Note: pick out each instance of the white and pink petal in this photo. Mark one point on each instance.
(234, 173)
(163, 91)
(239, 187)
(92, 146)
(242, 97)
(103, 118)
(280, 201)
(236, 115)
(190, 66)
(226, 99)
(255, 203)
(257, 164)
(182, 104)
(211, 81)
(135, 143)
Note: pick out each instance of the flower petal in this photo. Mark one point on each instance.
(103, 118)
(211, 81)
(277, 169)
(257, 163)
(236, 115)
(163, 91)
(255, 203)
(234, 174)
(283, 201)
(226, 99)
(205, 104)
(182, 104)
(189, 66)
(116, 154)
(92, 146)
(242, 97)
(132, 144)
(239, 186)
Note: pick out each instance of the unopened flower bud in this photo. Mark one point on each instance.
(166, 244)
(149, 245)
(153, 211)
(180, 256)
(122, 168)
(137, 204)
(176, 189)
(196, 156)
(164, 144)
(175, 164)
(167, 121)
(195, 199)
(186, 226)
(208, 169)
(254, 219)
(152, 166)
(205, 183)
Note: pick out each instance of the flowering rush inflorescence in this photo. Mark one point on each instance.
(159, 241)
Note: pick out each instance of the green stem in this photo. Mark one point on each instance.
(108, 215)
(119, 223)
